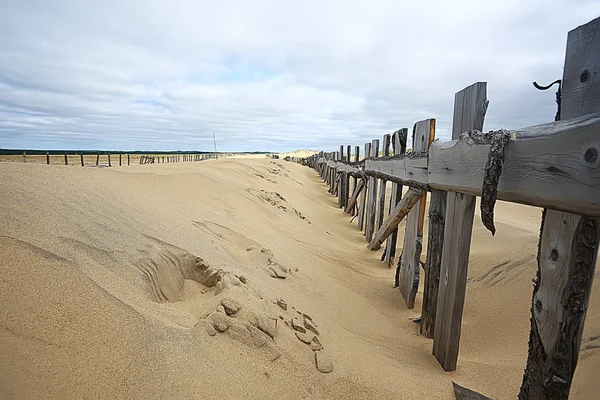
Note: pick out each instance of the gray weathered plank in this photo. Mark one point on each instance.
(372, 198)
(470, 106)
(352, 201)
(342, 179)
(435, 245)
(399, 145)
(412, 247)
(568, 245)
(382, 183)
(397, 215)
(363, 197)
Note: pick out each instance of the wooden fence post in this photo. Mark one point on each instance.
(372, 199)
(399, 146)
(347, 182)
(66, 159)
(48, 157)
(128, 159)
(24, 156)
(410, 265)
(109, 160)
(81, 156)
(364, 195)
(385, 149)
(568, 245)
(356, 159)
(470, 106)
(342, 180)
(120, 159)
(435, 245)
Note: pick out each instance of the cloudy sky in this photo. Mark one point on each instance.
(269, 74)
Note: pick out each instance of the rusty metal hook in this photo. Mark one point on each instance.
(558, 94)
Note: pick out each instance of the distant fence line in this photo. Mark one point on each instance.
(124, 158)
(554, 166)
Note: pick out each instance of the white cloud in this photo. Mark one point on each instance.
(268, 75)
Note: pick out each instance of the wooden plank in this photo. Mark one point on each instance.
(109, 160)
(48, 157)
(81, 156)
(435, 245)
(342, 180)
(120, 155)
(357, 190)
(347, 182)
(411, 251)
(24, 156)
(409, 171)
(356, 159)
(568, 245)
(397, 215)
(66, 159)
(363, 198)
(470, 106)
(544, 165)
(372, 198)
(128, 159)
(462, 393)
(399, 145)
(382, 182)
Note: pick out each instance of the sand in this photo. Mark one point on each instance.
(238, 278)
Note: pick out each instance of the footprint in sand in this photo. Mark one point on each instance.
(306, 331)
(276, 200)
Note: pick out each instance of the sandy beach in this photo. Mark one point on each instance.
(219, 279)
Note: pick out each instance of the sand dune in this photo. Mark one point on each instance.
(238, 278)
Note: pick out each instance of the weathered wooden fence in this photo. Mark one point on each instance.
(105, 157)
(554, 166)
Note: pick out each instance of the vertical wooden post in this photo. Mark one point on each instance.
(356, 159)
(435, 246)
(470, 106)
(81, 156)
(347, 191)
(342, 179)
(120, 155)
(128, 159)
(399, 146)
(364, 195)
(66, 159)
(109, 160)
(410, 266)
(568, 245)
(372, 199)
(386, 151)
(24, 156)
(48, 157)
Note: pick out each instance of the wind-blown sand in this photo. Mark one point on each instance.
(117, 283)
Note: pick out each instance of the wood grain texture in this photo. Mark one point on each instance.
(470, 106)
(382, 184)
(412, 247)
(392, 221)
(435, 246)
(352, 201)
(356, 158)
(372, 197)
(341, 179)
(544, 165)
(399, 145)
(363, 198)
(568, 246)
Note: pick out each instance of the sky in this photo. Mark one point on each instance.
(269, 75)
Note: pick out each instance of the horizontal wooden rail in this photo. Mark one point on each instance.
(541, 167)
